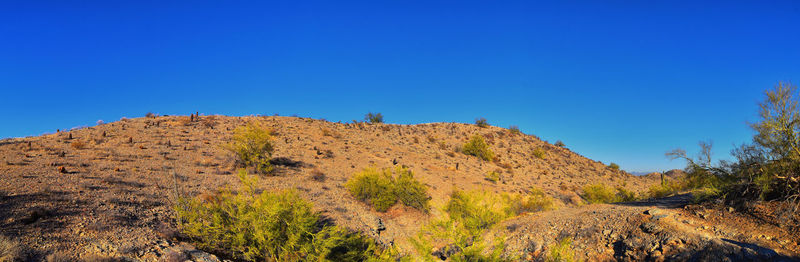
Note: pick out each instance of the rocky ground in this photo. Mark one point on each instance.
(106, 191)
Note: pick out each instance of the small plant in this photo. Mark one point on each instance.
(539, 153)
(318, 176)
(380, 189)
(514, 130)
(476, 146)
(150, 115)
(78, 144)
(252, 144)
(665, 189)
(481, 122)
(268, 226)
(374, 118)
(624, 195)
(599, 193)
(10, 250)
(559, 144)
(561, 251)
(613, 166)
(534, 201)
(492, 176)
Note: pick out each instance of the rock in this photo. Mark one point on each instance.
(730, 209)
(200, 256)
(652, 212)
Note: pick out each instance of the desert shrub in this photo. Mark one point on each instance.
(273, 226)
(613, 166)
(469, 215)
(374, 118)
(624, 195)
(665, 189)
(561, 251)
(539, 153)
(534, 201)
(410, 191)
(559, 144)
(318, 176)
(252, 144)
(78, 144)
(476, 146)
(150, 115)
(514, 130)
(492, 176)
(10, 250)
(381, 190)
(599, 193)
(481, 122)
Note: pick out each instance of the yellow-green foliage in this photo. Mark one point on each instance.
(476, 146)
(514, 130)
(539, 153)
(534, 201)
(492, 176)
(665, 189)
(624, 195)
(469, 215)
(613, 166)
(252, 144)
(561, 251)
(481, 122)
(269, 226)
(381, 190)
(599, 193)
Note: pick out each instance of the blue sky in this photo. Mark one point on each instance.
(618, 81)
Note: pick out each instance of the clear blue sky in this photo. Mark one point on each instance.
(621, 81)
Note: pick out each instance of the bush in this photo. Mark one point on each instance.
(561, 251)
(613, 166)
(599, 193)
(275, 226)
(665, 189)
(481, 122)
(559, 144)
(381, 190)
(539, 153)
(374, 118)
(514, 130)
(252, 144)
(10, 250)
(476, 146)
(78, 145)
(470, 215)
(534, 201)
(624, 195)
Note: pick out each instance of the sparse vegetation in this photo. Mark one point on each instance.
(514, 130)
(561, 251)
(535, 201)
(481, 122)
(318, 176)
(382, 190)
(10, 250)
(77, 144)
(476, 146)
(613, 166)
(559, 144)
(374, 118)
(539, 153)
(273, 226)
(252, 144)
(600, 193)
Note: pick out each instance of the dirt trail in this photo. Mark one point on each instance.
(666, 229)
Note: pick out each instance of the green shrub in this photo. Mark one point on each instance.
(381, 190)
(476, 146)
(613, 166)
(481, 122)
(273, 226)
(492, 176)
(469, 215)
(559, 144)
(624, 195)
(534, 201)
(514, 130)
(539, 153)
(374, 118)
(599, 193)
(252, 144)
(665, 189)
(561, 251)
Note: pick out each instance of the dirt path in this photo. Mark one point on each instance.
(666, 229)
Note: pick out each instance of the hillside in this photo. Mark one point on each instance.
(107, 190)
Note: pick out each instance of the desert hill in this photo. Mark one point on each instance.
(108, 190)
